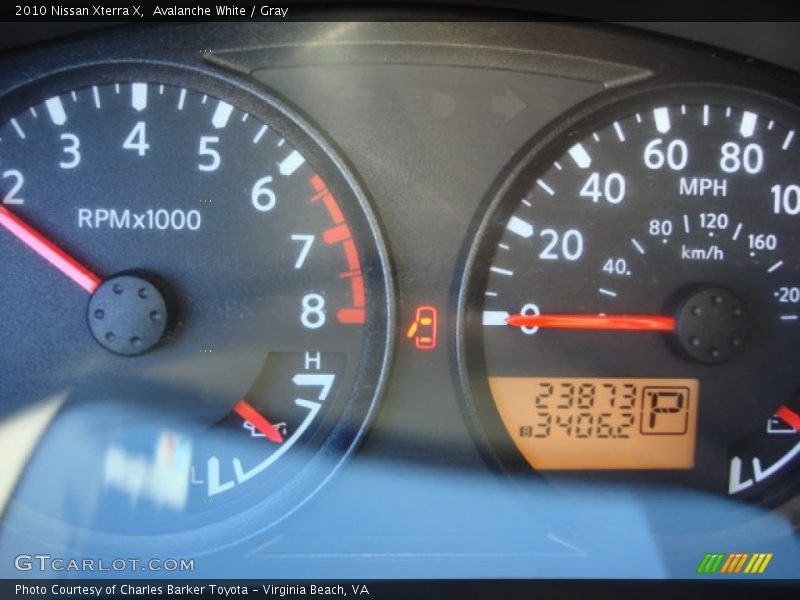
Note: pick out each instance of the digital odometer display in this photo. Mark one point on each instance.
(595, 423)
(655, 235)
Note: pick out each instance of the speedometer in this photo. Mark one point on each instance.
(194, 272)
(631, 305)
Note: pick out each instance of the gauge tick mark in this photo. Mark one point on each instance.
(260, 134)
(501, 271)
(545, 187)
(56, 110)
(775, 267)
(787, 142)
(748, 124)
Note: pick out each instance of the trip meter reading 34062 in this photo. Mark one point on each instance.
(638, 271)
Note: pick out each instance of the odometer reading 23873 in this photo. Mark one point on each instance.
(651, 244)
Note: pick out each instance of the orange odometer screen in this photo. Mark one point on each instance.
(596, 423)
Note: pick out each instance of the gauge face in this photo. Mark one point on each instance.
(202, 282)
(631, 305)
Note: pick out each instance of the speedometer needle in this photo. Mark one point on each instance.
(597, 322)
(248, 412)
(49, 251)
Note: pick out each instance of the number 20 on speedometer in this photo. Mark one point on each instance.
(631, 302)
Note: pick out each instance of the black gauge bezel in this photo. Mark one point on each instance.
(537, 155)
(376, 355)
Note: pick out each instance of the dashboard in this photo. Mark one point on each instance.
(391, 300)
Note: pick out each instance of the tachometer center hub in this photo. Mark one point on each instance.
(127, 315)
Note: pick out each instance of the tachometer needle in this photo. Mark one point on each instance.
(49, 251)
(246, 410)
(598, 322)
(789, 416)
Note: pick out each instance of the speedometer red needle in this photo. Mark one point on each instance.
(49, 251)
(610, 322)
(246, 410)
(789, 416)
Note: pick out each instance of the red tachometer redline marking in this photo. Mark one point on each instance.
(246, 410)
(336, 234)
(327, 199)
(359, 293)
(340, 234)
(595, 322)
(351, 255)
(352, 316)
(49, 251)
(789, 416)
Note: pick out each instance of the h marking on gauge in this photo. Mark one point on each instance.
(314, 360)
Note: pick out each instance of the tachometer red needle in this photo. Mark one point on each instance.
(789, 416)
(246, 410)
(49, 251)
(614, 322)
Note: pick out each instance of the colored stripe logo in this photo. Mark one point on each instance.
(734, 562)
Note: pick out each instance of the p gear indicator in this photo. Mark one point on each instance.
(665, 411)
(622, 268)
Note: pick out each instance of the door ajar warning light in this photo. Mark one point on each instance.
(423, 328)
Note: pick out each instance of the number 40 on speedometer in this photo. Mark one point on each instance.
(654, 248)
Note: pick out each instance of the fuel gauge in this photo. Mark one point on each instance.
(630, 309)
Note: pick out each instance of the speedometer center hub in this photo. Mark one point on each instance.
(668, 216)
(711, 324)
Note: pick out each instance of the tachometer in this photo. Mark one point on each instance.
(193, 268)
(632, 304)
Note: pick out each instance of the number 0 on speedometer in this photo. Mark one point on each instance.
(633, 301)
